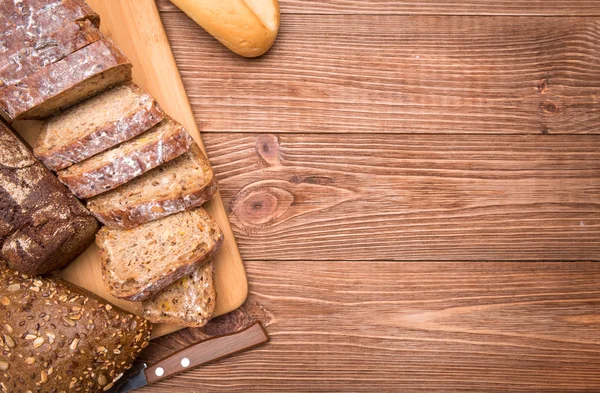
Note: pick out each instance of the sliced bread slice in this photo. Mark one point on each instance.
(137, 263)
(188, 302)
(57, 86)
(25, 22)
(47, 50)
(117, 166)
(96, 125)
(181, 184)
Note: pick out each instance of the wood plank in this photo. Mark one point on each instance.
(431, 7)
(398, 74)
(415, 327)
(411, 197)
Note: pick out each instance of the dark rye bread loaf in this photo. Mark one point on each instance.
(23, 22)
(117, 166)
(96, 125)
(47, 50)
(42, 226)
(59, 85)
(188, 302)
(137, 263)
(56, 337)
(181, 184)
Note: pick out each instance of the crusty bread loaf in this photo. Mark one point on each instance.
(47, 50)
(42, 226)
(59, 85)
(123, 163)
(25, 22)
(188, 302)
(56, 337)
(96, 125)
(181, 184)
(137, 263)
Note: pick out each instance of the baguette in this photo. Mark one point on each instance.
(246, 27)
(56, 337)
(139, 262)
(95, 125)
(181, 184)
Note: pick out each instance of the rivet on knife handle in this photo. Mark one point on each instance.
(207, 351)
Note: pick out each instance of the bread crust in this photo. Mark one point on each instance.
(25, 22)
(66, 82)
(59, 337)
(47, 50)
(111, 174)
(102, 138)
(42, 226)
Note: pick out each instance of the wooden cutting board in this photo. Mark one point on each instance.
(136, 27)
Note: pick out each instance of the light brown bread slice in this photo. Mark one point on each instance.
(96, 125)
(181, 184)
(117, 166)
(47, 50)
(137, 263)
(59, 85)
(188, 302)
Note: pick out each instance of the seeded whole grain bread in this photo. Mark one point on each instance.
(42, 225)
(56, 337)
(47, 50)
(96, 125)
(137, 263)
(188, 302)
(23, 22)
(114, 167)
(59, 85)
(181, 184)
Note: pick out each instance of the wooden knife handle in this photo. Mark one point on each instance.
(209, 350)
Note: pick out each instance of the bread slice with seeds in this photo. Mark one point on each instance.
(117, 166)
(137, 263)
(188, 302)
(181, 184)
(96, 125)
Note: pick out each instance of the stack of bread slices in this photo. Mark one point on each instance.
(111, 144)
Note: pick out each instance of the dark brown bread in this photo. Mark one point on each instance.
(56, 337)
(23, 22)
(117, 166)
(42, 226)
(188, 302)
(47, 50)
(96, 125)
(139, 262)
(181, 184)
(57, 86)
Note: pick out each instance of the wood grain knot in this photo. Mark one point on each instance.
(550, 108)
(267, 148)
(256, 207)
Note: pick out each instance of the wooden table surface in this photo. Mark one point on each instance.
(415, 189)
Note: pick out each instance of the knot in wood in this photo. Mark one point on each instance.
(267, 148)
(261, 206)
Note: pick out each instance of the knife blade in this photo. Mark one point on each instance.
(198, 354)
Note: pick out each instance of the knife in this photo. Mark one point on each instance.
(206, 351)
